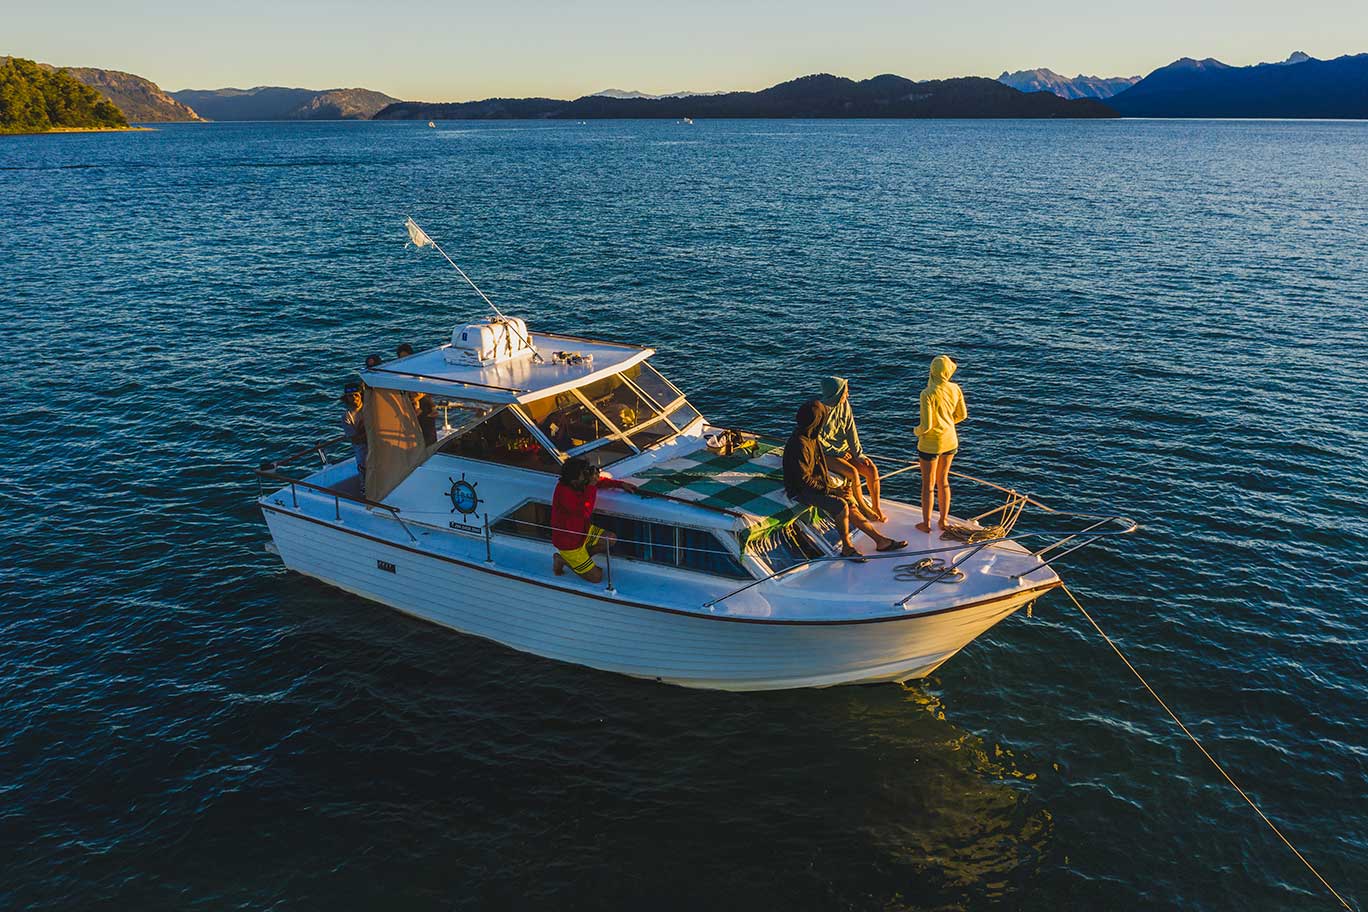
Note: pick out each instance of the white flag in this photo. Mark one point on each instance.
(417, 235)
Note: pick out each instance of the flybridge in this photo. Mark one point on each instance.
(570, 361)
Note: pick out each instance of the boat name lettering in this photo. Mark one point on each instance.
(463, 527)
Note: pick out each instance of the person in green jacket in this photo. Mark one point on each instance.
(942, 407)
(841, 443)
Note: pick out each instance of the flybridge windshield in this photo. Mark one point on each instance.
(614, 417)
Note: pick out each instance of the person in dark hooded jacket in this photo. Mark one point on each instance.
(806, 481)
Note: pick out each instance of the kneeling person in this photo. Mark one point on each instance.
(572, 507)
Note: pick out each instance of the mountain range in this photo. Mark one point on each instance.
(821, 95)
(633, 93)
(1080, 86)
(279, 103)
(1299, 87)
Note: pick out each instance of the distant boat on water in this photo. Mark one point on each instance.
(688, 121)
(431, 124)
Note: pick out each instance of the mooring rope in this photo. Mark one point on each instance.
(1193, 738)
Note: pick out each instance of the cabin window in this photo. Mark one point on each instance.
(531, 520)
(504, 439)
(567, 421)
(650, 382)
(642, 540)
(672, 546)
(619, 402)
(652, 434)
(784, 547)
(638, 539)
(684, 416)
(699, 550)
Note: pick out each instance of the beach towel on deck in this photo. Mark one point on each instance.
(748, 483)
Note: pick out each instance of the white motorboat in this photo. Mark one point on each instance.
(716, 580)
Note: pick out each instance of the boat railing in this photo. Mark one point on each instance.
(932, 569)
(929, 570)
(268, 471)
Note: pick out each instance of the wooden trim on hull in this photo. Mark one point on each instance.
(1034, 592)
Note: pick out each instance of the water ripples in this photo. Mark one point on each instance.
(1162, 318)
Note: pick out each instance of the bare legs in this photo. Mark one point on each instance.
(943, 487)
(935, 476)
(851, 516)
(853, 471)
(870, 472)
(595, 573)
(928, 478)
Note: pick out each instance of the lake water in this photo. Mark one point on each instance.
(1164, 319)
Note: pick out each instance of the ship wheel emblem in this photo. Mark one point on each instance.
(463, 496)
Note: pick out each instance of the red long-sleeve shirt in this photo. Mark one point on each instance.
(571, 510)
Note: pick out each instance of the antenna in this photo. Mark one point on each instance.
(421, 238)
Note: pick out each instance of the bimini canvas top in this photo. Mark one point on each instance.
(748, 483)
(521, 380)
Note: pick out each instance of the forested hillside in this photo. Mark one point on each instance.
(36, 100)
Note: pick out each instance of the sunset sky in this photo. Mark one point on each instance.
(461, 51)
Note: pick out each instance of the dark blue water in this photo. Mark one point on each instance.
(1167, 319)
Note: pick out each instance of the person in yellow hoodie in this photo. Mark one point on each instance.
(942, 407)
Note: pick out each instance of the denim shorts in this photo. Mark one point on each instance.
(930, 456)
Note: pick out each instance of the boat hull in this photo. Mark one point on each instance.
(690, 649)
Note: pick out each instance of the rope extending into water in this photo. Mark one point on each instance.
(1193, 738)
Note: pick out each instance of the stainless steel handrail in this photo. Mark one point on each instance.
(336, 496)
(1016, 500)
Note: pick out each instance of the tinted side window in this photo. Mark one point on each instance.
(641, 540)
(784, 548)
(531, 520)
(699, 550)
(502, 438)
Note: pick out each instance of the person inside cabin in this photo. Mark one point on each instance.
(403, 351)
(573, 534)
(426, 410)
(372, 361)
(941, 408)
(354, 429)
(845, 456)
(807, 480)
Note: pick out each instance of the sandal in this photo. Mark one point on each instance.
(854, 555)
(891, 545)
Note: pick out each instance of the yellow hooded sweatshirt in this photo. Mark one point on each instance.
(942, 407)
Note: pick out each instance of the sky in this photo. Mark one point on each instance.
(458, 51)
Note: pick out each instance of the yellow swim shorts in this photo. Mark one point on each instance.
(578, 559)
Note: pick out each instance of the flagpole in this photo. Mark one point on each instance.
(535, 354)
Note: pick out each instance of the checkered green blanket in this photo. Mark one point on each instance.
(749, 484)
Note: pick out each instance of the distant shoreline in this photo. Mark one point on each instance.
(79, 130)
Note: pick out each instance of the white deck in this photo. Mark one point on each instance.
(828, 591)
